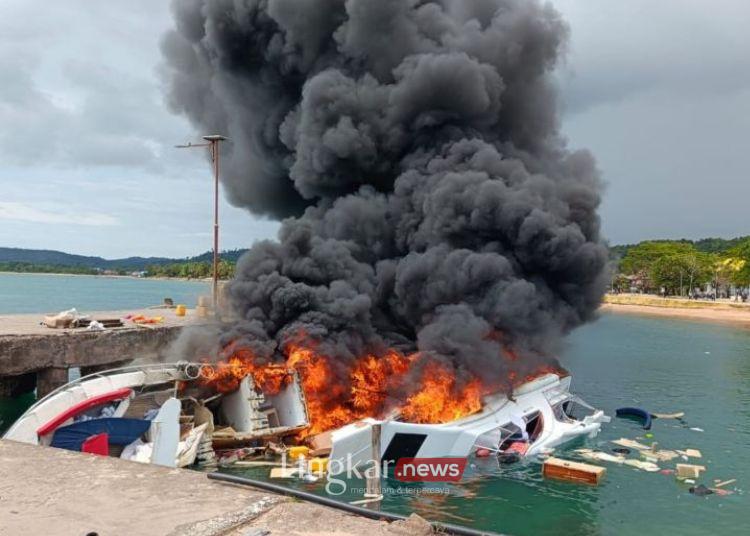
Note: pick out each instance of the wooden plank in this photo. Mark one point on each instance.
(256, 463)
(629, 443)
(559, 469)
(284, 472)
(678, 415)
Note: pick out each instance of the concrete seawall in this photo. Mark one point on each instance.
(53, 491)
(35, 356)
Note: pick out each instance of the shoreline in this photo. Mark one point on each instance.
(737, 315)
(113, 276)
(718, 312)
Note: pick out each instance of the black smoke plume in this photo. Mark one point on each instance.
(413, 148)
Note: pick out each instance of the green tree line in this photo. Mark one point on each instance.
(191, 270)
(679, 267)
(39, 268)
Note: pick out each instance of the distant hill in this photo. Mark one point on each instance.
(59, 258)
(230, 255)
(52, 258)
(705, 245)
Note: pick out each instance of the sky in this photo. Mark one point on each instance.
(658, 91)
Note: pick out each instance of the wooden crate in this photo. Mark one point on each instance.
(559, 469)
(687, 470)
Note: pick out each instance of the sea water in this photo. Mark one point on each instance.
(43, 293)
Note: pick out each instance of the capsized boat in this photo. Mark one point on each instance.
(168, 414)
(539, 416)
(164, 414)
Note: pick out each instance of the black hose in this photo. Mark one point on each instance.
(351, 508)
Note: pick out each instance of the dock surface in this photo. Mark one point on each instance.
(19, 325)
(51, 491)
(33, 355)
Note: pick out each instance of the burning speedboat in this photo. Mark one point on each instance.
(536, 418)
(173, 414)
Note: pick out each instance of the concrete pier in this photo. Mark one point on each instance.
(51, 491)
(33, 355)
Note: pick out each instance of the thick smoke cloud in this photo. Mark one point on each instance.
(414, 148)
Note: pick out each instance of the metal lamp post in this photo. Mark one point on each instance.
(212, 142)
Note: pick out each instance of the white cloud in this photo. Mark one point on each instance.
(27, 213)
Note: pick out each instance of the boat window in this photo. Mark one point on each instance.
(403, 445)
(516, 441)
(534, 425)
(572, 408)
(510, 434)
(497, 437)
(562, 411)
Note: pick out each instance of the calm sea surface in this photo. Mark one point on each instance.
(620, 360)
(39, 293)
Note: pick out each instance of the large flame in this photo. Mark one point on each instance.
(370, 386)
(439, 399)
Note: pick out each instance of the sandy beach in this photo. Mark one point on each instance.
(723, 312)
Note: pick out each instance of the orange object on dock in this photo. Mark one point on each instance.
(560, 469)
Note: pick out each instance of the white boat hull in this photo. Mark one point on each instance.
(352, 444)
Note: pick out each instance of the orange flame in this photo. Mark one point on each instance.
(439, 400)
(359, 389)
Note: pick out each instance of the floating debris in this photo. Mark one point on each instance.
(645, 466)
(678, 415)
(631, 444)
(691, 453)
(559, 469)
(599, 456)
(700, 490)
(686, 470)
(636, 413)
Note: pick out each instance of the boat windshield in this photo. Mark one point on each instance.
(572, 408)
